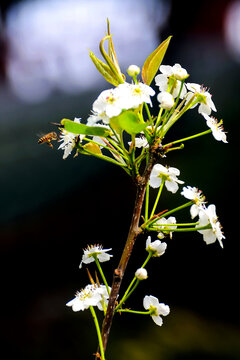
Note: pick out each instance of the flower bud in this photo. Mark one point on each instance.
(141, 274)
(166, 100)
(133, 70)
(179, 72)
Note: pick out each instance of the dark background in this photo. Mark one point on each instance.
(51, 209)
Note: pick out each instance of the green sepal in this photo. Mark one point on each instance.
(128, 121)
(83, 129)
(104, 69)
(154, 60)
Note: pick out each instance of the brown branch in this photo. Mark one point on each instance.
(134, 231)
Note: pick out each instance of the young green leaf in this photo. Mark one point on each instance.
(82, 129)
(129, 122)
(153, 62)
(104, 70)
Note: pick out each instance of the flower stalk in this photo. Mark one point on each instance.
(95, 319)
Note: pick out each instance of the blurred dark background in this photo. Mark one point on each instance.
(51, 209)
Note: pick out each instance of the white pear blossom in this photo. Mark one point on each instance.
(192, 193)
(151, 303)
(157, 248)
(216, 127)
(69, 140)
(108, 103)
(173, 74)
(170, 220)
(203, 96)
(179, 72)
(94, 250)
(95, 117)
(169, 175)
(103, 303)
(133, 95)
(140, 141)
(208, 216)
(166, 100)
(141, 274)
(91, 295)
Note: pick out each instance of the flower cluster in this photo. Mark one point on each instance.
(171, 83)
(207, 216)
(98, 295)
(112, 102)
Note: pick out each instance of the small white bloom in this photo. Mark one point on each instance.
(151, 303)
(133, 70)
(156, 247)
(159, 172)
(166, 100)
(140, 142)
(91, 295)
(164, 222)
(141, 274)
(133, 95)
(171, 74)
(69, 140)
(204, 98)
(192, 193)
(216, 127)
(208, 216)
(108, 103)
(94, 250)
(179, 72)
(95, 117)
(103, 303)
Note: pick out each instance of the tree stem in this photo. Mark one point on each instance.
(134, 231)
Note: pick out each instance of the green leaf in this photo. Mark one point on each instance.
(83, 129)
(129, 122)
(104, 70)
(153, 62)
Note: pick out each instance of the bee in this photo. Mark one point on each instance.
(48, 138)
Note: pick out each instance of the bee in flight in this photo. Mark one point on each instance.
(48, 138)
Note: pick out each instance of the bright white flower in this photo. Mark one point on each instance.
(169, 175)
(91, 295)
(133, 95)
(166, 100)
(192, 193)
(171, 75)
(103, 303)
(179, 72)
(141, 274)
(108, 103)
(94, 250)
(208, 216)
(69, 140)
(204, 98)
(157, 247)
(133, 70)
(151, 303)
(140, 142)
(95, 117)
(216, 127)
(170, 220)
